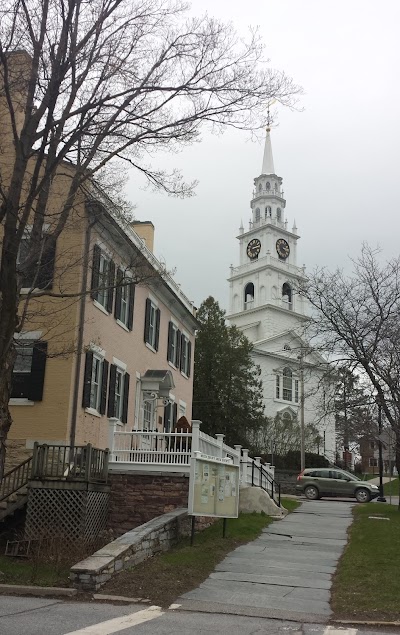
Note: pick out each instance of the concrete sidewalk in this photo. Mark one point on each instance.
(286, 573)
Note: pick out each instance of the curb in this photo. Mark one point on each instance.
(365, 623)
(40, 591)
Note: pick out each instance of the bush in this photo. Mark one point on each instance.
(291, 460)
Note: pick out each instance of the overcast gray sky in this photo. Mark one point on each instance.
(338, 157)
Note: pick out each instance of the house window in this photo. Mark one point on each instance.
(174, 344)
(38, 272)
(373, 462)
(152, 324)
(29, 370)
(118, 394)
(124, 300)
(372, 445)
(95, 382)
(103, 279)
(186, 361)
(287, 384)
(278, 387)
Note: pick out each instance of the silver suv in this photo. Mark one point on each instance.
(316, 482)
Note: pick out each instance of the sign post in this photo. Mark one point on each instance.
(213, 487)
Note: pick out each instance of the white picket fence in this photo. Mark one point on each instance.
(171, 451)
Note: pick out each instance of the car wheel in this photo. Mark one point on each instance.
(363, 495)
(311, 492)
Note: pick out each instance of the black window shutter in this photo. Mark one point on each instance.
(118, 294)
(170, 336)
(147, 321)
(125, 399)
(189, 358)
(95, 271)
(166, 417)
(182, 360)
(104, 384)
(132, 289)
(87, 380)
(111, 284)
(45, 275)
(157, 338)
(178, 349)
(174, 414)
(39, 357)
(111, 391)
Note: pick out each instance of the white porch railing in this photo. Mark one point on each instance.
(171, 451)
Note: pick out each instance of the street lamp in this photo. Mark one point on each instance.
(381, 497)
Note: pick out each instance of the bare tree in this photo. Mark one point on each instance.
(86, 86)
(356, 322)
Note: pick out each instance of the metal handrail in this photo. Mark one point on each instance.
(274, 489)
(16, 478)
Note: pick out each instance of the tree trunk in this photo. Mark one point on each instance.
(6, 372)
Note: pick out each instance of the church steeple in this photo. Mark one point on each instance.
(268, 203)
(268, 159)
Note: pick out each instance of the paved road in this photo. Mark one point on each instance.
(286, 573)
(34, 616)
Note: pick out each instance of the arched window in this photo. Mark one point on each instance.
(287, 417)
(268, 185)
(257, 214)
(278, 214)
(259, 187)
(248, 295)
(275, 186)
(268, 211)
(287, 294)
(287, 391)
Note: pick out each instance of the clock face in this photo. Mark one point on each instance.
(282, 248)
(253, 248)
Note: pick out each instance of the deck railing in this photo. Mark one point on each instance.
(15, 478)
(78, 463)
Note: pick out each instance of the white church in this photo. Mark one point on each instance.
(264, 305)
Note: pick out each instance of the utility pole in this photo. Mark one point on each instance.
(381, 497)
(302, 437)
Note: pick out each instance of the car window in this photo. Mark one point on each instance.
(322, 473)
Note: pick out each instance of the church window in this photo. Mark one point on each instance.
(259, 187)
(268, 185)
(248, 295)
(296, 390)
(287, 384)
(278, 387)
(268, 211)
(278, 214)
(257, 214)
(287, 294)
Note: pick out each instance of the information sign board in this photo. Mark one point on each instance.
(213, 487)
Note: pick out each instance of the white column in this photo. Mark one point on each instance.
(220, 439)
(195, 435)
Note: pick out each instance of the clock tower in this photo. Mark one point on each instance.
(265, 306)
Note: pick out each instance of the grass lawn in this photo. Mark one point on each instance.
(28, 572)
(184, 567)
(366, 585)
(391, 488)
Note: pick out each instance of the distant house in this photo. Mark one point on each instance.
(369, 451)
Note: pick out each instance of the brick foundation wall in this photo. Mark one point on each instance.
(137, 498)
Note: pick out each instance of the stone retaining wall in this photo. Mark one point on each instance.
(159, 534)
(137, 498)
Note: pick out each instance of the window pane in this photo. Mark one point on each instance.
(23, 361)
(277, 386)
(95, 386)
